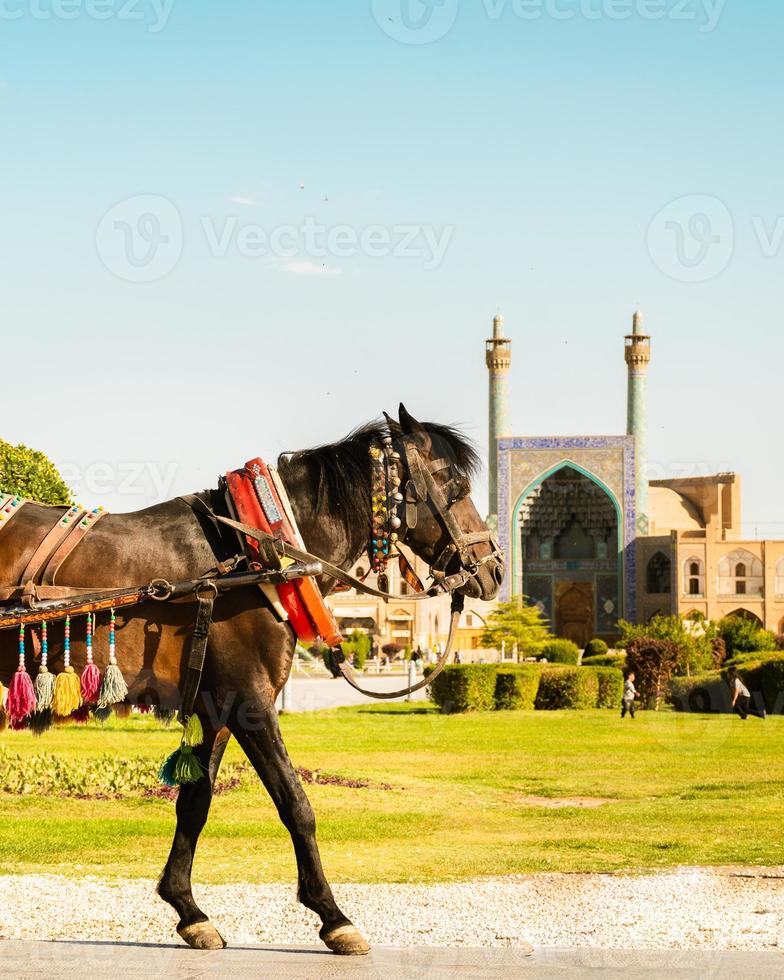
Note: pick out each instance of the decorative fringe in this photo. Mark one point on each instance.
(113, 688)
(67, 693)
(44, 688)
(103, 714)
(3, 715)
(164, 715)
(90, 683)
(82, 714)
(183, 766)
(21, 699)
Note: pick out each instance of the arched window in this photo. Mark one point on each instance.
(740, 573)
(780, 577)
(694, 576)
(657, 578)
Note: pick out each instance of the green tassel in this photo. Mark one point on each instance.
(166, 773)
(113, 687)
(194, 734)
(188, 768)
(44, 689)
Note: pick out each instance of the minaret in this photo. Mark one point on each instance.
(498, 357)
(638, 356)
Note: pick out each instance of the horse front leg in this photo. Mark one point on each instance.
(262, 742)
(193, 805)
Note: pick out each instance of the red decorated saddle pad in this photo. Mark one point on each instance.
(258, 498)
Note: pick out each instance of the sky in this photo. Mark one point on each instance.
(234, 230)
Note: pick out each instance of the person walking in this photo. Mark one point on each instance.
(629, 694)
(741, 696)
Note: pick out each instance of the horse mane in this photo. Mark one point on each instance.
(340, 470)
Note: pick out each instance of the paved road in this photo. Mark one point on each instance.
(312, 694)
(24, 960)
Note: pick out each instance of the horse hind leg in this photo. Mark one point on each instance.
(193, 804)
(263, 744)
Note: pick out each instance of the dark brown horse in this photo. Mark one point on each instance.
(250, 649)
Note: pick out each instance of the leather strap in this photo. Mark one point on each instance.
(10, 505)
(65, 524)
(351, 677)
(205, 596)
(87, 523)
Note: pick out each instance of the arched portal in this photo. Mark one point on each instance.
(567, 553)
(746, 614)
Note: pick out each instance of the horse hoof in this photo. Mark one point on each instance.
(346, 941)
(202, 935)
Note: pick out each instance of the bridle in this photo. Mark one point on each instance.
(387, 475)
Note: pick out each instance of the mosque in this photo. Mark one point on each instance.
(590, 540)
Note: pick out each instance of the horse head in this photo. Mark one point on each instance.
(438, 519)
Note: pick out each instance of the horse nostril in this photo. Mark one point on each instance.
(498, 574)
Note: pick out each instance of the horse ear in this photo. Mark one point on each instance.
(408, 423)
(390, 422)
(411, 426)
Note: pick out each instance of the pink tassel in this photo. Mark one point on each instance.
(91, 684)
(91, 676)
(21, 699)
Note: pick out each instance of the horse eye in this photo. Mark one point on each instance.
(462, 488)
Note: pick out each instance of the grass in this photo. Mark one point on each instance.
(468, 798)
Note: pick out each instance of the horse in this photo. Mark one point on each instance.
(250, 648)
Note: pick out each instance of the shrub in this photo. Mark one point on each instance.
(357, 646)
(703, 693)
(465, 687)
(516, 687)
(610, 681)
(391, 650)
(779, 639)
(743, 636)
(689, 640)
(653, 663)
(607, 660)
(767, 678)
(561, 652)
(30, 474)
(595, 648)
(570, 688)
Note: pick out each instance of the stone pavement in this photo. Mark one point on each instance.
(64, 960)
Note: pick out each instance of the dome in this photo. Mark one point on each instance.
(671, 511)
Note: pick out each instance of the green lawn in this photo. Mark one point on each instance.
(466, 799)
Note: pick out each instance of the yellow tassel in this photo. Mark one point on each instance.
(194, 734)
(67, 693)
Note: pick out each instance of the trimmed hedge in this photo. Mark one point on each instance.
(522, 687)
(516, 687)
(577, 688)
(595, 648)
(606, 660)
(465, 687)
(561, 652)
(707, 693)
(610, 682)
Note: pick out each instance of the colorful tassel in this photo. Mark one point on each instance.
(44, 682)
(67, 689)
(21, 693)
(91, 676)
(113, 689)
(183, 766)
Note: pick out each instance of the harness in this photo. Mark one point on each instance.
(277, 561)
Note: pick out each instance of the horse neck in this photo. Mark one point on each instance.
(327, 530)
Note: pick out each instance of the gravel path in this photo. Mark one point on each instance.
(695, 908)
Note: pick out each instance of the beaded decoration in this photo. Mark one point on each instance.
(67, 688)
(113, 689)
(44, 682)
(385, 498)
(9, 505)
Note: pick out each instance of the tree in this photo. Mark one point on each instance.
(744, 636)
(30, 474)
(516, 624)
(653, 663)
(691, 641)
(357, 646)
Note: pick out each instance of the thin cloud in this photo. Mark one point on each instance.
(247, 202)
(308, 268)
